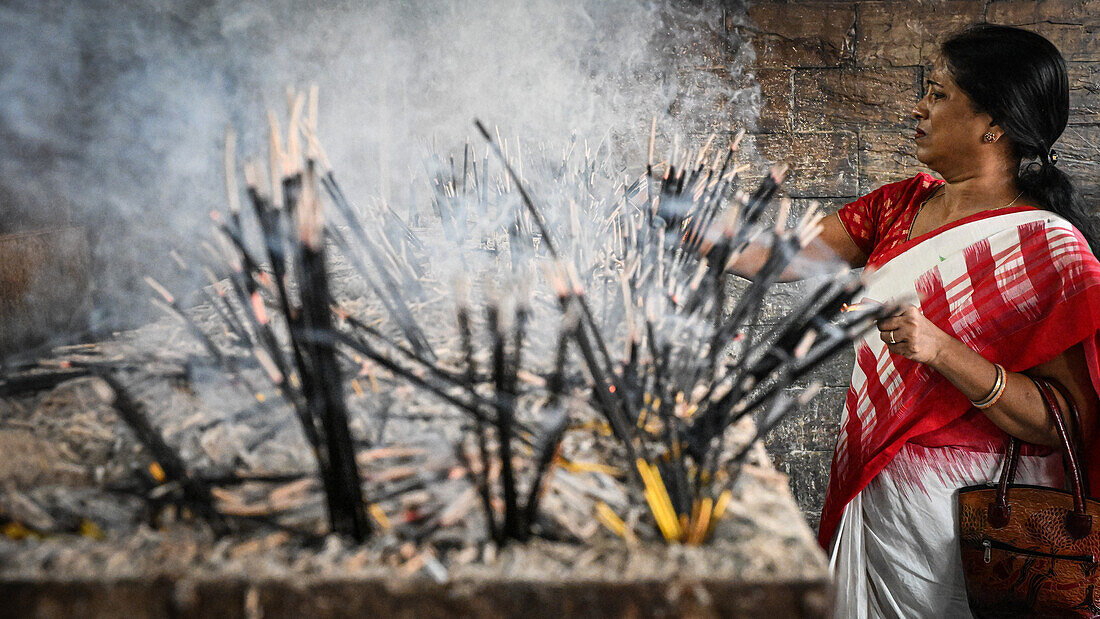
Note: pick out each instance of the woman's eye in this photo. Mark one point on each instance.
(936, 95)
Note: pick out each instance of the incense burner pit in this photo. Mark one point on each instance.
(77, 539)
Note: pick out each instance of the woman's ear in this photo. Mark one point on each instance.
(993, 132)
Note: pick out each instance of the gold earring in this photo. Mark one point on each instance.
(989, 137)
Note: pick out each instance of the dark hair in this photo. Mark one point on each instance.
(1019, 78)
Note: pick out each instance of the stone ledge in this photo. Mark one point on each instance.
(762, 560)
(136, 599)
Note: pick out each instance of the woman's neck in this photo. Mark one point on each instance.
(974, 194)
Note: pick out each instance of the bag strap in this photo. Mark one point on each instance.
(1078, 522)
(999, 510)
(1079, 439)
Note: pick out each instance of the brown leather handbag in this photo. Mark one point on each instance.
(1032, 551)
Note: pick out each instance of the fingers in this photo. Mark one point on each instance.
(903, 313)
(909, 311)
(910, 334)
(888, 330)
(907, 316)
(891, 338)
(890, 324)
(898, 329)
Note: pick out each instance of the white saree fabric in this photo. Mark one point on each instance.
(896, 551)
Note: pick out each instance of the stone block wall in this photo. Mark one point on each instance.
(838, 81)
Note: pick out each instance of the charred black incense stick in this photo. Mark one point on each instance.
(326, 399)
(167, 459)
(481, 431)
(512, 526)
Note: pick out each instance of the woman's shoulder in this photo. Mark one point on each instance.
(916, 186)
(890, 200)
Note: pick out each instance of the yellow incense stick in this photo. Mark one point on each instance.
(719, 510)
(16, 531)
(599, 426)
(90, 529)
(666, 502)
(702, 522)
(660, 503)
(651, 498)
(722, 503)
(379, 516)
(658, 514)
(157, 472)
(589, 467)
(610, 519)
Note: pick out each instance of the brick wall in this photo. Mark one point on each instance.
(839, 80)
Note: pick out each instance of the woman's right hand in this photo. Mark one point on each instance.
(831, 246)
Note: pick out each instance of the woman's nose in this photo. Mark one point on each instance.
(918, 112)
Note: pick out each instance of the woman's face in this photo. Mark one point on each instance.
(949, 132)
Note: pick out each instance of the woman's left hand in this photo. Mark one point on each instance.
(911, 335)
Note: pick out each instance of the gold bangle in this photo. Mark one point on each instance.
(998, 390)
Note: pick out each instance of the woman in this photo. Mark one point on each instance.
(996, 261)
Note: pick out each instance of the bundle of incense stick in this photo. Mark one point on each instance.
(305, 370)
(612, 317)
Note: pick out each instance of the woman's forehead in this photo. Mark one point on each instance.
(939, 72)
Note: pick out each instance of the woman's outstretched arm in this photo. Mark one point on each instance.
(831, 245)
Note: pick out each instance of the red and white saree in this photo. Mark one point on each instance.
(1017, 285)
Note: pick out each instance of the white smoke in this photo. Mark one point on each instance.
(112, 112)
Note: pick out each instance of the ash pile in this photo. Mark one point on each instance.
(540, 368)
